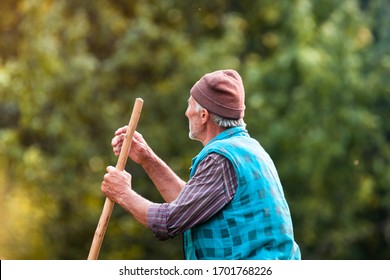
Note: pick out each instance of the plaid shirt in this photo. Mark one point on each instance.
(208, 191)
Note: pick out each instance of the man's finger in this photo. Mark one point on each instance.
(110, 168)
(121, 130)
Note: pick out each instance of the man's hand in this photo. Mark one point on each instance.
(116, 185)
(164, 178)
(139, 148)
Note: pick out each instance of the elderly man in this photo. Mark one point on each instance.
(233, 205)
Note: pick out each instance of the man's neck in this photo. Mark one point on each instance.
(211, 131)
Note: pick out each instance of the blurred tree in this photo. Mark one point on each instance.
(320, 121)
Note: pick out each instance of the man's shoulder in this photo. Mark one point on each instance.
(214, 157)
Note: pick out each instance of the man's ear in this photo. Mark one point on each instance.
(204, 115)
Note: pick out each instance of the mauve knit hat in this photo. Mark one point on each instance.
(222, 93)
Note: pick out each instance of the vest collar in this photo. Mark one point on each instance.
(233, 131)
(228, 133)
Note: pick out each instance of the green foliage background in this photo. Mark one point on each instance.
(317, 93)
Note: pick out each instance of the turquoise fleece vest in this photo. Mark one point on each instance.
(256, 224)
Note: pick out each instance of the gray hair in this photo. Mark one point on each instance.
(221, 121)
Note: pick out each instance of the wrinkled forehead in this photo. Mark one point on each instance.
(191, 100)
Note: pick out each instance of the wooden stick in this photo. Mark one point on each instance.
(109, 205)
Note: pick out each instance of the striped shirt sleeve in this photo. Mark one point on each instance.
(208, 191)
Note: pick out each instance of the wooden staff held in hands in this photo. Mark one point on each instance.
(121, 163)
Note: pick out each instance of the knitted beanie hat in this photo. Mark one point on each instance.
(222, 93)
